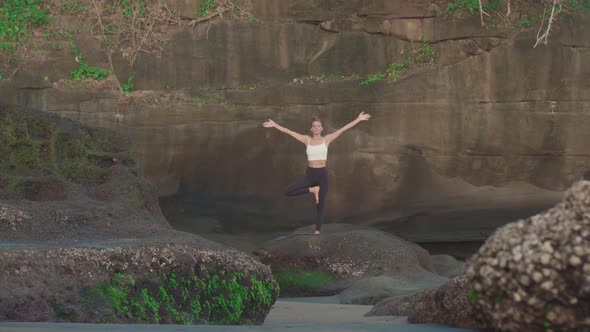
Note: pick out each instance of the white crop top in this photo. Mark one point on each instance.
(317, 152)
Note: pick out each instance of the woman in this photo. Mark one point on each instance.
(316, 176)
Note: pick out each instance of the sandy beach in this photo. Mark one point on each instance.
(286, 315)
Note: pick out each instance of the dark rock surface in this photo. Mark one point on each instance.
(448, 304)
(535, 273)
(82, 238)
(361, 265)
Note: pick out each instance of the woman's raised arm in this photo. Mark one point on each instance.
(301, 138)
(362, 117)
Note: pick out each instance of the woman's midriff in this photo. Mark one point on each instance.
(316, 163)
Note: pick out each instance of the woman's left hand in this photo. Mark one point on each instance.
(364, 116)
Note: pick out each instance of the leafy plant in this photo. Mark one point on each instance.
(580, 6)
(425, 52)
(133, 6)
(471, 5)
(17, 17)
(129, 86)
(252, 18)
(209, 100)
(525, 21)
(74, 7)
(395, 70)
(374, 78)
(422, 54)
(206, 6)
(85, 71)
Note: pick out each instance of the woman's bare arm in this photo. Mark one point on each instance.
(301, 138)
(362, 117)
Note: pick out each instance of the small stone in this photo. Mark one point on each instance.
(547, 285)
(579, 251)
(575, 260)
(525, 280)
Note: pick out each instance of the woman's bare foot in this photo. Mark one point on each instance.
(316, 192)
(316, 233)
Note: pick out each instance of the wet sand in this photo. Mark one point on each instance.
(286, 315)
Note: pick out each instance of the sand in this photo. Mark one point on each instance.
(286, 315)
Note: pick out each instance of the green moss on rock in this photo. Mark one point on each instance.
(177, 298)
(300, 282)
(34, 144)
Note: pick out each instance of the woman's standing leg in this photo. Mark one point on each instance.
(321, 207)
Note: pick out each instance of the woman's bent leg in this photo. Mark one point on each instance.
(298, 188)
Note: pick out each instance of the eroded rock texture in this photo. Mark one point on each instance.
(488, 132)
(535, 273)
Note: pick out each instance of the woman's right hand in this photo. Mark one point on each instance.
(269, 124)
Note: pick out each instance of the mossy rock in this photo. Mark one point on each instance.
(304, 282)
(44, 156)
(219, 297)
(146, 281)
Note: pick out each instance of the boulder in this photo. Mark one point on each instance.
(400, 305)
(374, 289)
(363, 264)
(534, 274)
(447, 266)
(448, 304)
(82, 238)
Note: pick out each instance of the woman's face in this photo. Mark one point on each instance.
(316, 128)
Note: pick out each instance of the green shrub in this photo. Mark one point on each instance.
(580, 6)
(85, 71)
(525, 21)
(129, 86)
(17, 17)
(395, 70)
(133, 6)
(471, 5)
(206, 6)
(373, 78)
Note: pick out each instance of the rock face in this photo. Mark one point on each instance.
(82, 238)
(534, 274)
(361, 266)
(489, 133)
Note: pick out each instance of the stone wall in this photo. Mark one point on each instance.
(492, 130)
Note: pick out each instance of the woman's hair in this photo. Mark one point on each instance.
(314, 119)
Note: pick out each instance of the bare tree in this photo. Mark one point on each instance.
(544, 36)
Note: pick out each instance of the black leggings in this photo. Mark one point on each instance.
(313, 177)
